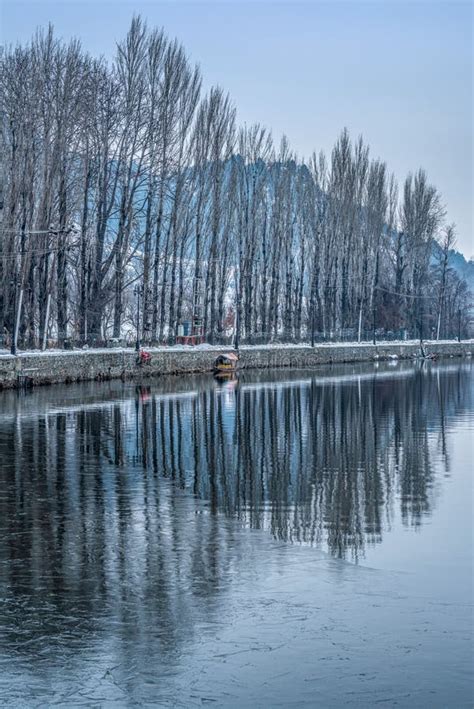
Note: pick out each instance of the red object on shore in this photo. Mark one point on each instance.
(189, 340)
(144, 357)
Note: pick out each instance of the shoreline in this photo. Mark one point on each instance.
(68, 366)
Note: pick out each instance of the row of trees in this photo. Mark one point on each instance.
(123, 179)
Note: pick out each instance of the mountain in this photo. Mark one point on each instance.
(464, 269)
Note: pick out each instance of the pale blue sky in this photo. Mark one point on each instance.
(398, 72)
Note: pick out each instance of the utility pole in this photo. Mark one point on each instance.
(312, 317)
(459, 324)
(374, 338)
(13, 345)
(237, 329)
(17, 321)
(198, 305)
(17, 300)
(14, 333)
(374, 302)
(46, 320)
(137, 291)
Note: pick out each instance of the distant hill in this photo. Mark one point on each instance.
(457, 261)
(464, 269)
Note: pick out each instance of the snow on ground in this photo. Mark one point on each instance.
(318, 345)
(108, 350)
(219, 348)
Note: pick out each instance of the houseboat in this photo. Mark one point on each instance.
(226, 363)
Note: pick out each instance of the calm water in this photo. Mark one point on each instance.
(294, 538)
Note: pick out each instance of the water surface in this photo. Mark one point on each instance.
(291, 538)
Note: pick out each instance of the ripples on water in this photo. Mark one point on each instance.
(125, 510)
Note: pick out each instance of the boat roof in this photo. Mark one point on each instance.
(229, 355)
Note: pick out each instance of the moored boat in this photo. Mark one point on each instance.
(226, 363)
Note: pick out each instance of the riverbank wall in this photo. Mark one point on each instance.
(54, 367)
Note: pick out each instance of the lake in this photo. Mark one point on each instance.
(285, 539)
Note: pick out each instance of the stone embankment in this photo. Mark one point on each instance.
(54, 367)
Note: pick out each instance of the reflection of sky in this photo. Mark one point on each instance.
(445, 539)
(299, 451)
(120, 587)
(397, 72)
(290, 437)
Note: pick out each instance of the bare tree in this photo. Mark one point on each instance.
(447, 244)
(116, 175)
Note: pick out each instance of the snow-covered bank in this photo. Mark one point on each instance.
(205, 347)
(64, 366)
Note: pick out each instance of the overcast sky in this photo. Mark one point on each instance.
(400, 73)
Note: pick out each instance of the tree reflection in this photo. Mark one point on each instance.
(98, 512)
(322, 461)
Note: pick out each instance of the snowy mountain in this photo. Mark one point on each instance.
(464, 269)
(457, 261)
